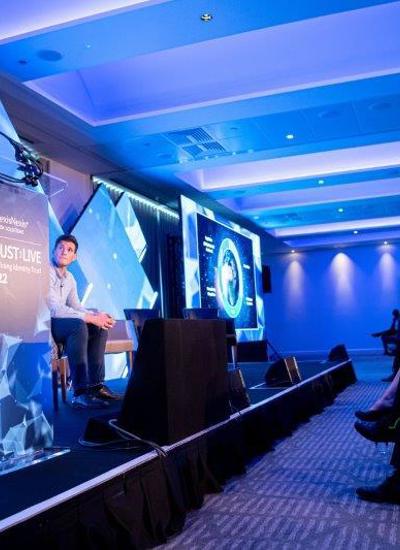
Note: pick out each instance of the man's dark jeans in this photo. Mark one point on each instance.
(84, 345)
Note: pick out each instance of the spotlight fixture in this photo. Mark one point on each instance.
(206, 17)
(256, 217)
(355, 232)
(292, 251)
(321, 181)
(385, 243)
(289, 136)
(340, 210)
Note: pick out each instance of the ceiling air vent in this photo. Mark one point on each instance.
(187, 137)
(197, 143)
(193, 150)
(205, 150)
(214, 146)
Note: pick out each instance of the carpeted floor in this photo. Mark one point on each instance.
(302, 495)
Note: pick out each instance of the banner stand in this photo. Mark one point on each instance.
(26, 410)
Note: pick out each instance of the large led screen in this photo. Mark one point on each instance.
(222, 264)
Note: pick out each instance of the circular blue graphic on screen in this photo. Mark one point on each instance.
(230, 278)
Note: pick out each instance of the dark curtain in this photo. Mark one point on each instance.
(146, 506)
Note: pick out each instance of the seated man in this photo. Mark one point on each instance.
(390, 335)
(82, 332)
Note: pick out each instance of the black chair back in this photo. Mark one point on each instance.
(200, 313)
(140, 316)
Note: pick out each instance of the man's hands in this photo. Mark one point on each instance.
(100, 319)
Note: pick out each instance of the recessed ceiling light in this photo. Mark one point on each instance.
(292, 251)
(355, 232)
(289, 136)
(321, 181)
(256, 217)
(340, 210)
(206, 17)
(88, 46)
(385, 243)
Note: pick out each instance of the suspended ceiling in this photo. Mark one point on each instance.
(287, 113)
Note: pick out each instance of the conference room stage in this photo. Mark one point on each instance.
(138, 496)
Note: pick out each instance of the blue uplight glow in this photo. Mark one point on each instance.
(387, 273)
(342, 276)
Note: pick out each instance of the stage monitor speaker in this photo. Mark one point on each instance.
(266, 279)
(180, 382)
(237, 389)
(338, 353)
(284, 372)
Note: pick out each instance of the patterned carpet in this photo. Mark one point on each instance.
(302, 495)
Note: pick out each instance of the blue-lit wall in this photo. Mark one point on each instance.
(327, 297)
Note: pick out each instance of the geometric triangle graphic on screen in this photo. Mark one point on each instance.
(132, 227)
(113, 277)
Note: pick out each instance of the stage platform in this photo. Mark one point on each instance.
(132, 498)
